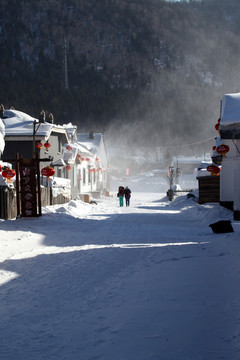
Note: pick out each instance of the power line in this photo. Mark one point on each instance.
(196, 143)
(181, 146)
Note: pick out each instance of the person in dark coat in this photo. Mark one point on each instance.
(127, 193)
(120, 194)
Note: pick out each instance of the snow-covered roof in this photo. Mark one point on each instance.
(90, 141)
(94, 143)
(59, 162)
(77, 148)
(230, 109)
(71, 129)
(202, 173)
(17, 123)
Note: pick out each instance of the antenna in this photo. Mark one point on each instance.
(66, 83)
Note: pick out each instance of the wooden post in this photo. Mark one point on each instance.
(38, 186)
(236, 212)
(18, 185)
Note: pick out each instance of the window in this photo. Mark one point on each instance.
(89, 177)
(84, 176)
(74, 176)
(59, 145)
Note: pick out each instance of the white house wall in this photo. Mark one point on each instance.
(229, 164)
(86, 186)
(102, 154)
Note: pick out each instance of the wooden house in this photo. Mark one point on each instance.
(79, 158)
(28, 136)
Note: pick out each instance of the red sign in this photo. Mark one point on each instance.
(222, 149)
(213, 169)
(28, 188)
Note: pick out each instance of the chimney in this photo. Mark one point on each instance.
(51, 118)
(91, 136)
(2, 111)
(42, 116)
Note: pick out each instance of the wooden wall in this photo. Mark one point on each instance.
(209, 189)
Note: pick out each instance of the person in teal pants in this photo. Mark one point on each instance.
(120, 194)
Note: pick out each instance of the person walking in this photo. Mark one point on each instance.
(120, 194)
(127, 193)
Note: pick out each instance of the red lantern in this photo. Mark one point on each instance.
(223, 149)
(214, 148)
(48, 171)
(39, 145)
(69, 148)
(8, 174)
(87, 159)
(47, 145)
(0, 168)
(68, 167)
(213, 169)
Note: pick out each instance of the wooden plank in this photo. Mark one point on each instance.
(209, 189)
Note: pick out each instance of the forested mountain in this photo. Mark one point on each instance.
(151, 69)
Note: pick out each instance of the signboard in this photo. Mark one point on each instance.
(27, 170)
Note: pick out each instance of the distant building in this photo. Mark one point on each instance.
(189, 164)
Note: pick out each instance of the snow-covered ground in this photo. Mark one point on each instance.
(99, 282)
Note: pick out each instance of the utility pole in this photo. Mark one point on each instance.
(66, 82)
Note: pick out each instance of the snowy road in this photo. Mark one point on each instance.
(99, 282)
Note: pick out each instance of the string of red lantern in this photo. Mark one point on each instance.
(39, 145)
(217, 126)
(8, 174)
(68, 147)
(223, 149)
(213, 169)
(47, 145)
(47, 171)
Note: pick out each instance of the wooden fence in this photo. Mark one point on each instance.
(8, 200)
(8, 203)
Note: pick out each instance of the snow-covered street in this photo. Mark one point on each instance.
(99, 282)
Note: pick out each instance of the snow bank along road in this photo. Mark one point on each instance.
(95, 282)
